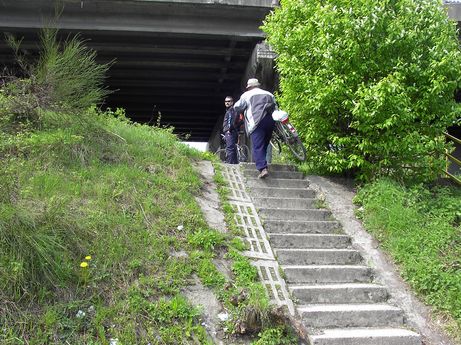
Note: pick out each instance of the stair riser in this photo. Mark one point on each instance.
(310, 242)
(318, 258)
(285, 203)
(275, 174)
(295, 215)
(282, 193)
(368, 341)
(278, 183)
(372, 318)
(302, 227)
(328, 275)
(340, 295)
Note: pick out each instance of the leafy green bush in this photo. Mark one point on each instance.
(420, 228)
(369, 84)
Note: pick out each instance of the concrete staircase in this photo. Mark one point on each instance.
(333, 289)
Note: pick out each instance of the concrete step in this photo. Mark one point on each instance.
(286, 203)
(275, 174)
(302, 227)
(299, 274)
(318, 256)
(277, 182)
(339, 293)
(296, 214)
(273, 167)
(259, 192)
(325, 241)
(366, 336)
(350, 315)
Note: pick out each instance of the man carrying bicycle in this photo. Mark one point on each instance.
(258, 105)
(231, 127)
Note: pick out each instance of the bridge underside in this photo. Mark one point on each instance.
(174, 58)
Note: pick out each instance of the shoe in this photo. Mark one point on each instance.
(264, 173)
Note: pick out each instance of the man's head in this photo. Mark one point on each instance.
(252, 83)
(228, 101)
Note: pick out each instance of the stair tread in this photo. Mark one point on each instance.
(292, 209)
(303, 221)
(324, 266)
(346, 307)
(281, 188)
(335, 286)
(276, 198)
(307, 234)
(331, 250)
(364, 332)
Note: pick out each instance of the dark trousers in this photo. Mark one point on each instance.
(231, 147)
(260, 139)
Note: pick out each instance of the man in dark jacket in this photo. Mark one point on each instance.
(231, 127)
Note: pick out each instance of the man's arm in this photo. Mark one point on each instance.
(240, 105)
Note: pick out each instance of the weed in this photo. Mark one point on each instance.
(206, 239)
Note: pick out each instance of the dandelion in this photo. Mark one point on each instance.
(84, 272)
(88, 257)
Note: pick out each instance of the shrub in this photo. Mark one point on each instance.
(369, 84)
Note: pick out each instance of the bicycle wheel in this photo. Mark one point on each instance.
(221, 154)
(292, 141)
(243, 153)
(276, 146)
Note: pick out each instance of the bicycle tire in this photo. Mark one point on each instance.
(293, 142)
(243, 153)
(220, 153)
(275, 143)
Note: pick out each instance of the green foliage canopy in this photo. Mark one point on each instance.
(369, 84)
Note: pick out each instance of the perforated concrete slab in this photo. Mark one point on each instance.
(260, 251)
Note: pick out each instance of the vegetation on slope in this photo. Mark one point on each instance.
(420, 227)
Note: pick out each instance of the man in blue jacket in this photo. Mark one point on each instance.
(231, 128)
(258, 106)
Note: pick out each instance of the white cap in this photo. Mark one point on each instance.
(253, 82)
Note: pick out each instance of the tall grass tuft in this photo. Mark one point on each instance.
(69, 73)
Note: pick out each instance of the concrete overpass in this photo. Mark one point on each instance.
(179, 58)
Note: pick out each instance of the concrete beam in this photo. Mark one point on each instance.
(453, 10)
(247, 3)
(136, 16)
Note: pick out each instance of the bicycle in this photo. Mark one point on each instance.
(285, 133)
(243, 152)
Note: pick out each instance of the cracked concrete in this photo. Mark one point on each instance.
(338, 194)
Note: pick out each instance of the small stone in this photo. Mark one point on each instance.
(80, 314)
(91, 309)
(180, 227)
(223, 316)
(113, 341)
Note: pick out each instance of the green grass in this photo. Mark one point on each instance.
(420, 227)
(104, 187)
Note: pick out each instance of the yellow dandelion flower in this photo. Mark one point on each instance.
(88, 257)
(84, 264)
